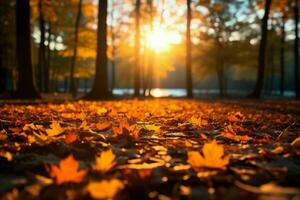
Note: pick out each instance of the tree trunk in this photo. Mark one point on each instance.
(42, 48)
(25, 85)
(100, 86)
(296, 48)
(282, 55)
(53, 71)
(137, 81)
(271, 60)
(65, 84)
(220, 69)
(73, 61)
(113, 62)
(48, 60)
(262, 52)
(189, 81)
(151, 54)
(85, 83)
(3, 76)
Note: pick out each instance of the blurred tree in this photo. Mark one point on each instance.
(222, 26)
(296, 47)
(25, 86)
(137, 76)
(73, 88)
(148, 75)
(100, 86)
(7, 46)
(262, 52)
(189, 81)
(42, 49)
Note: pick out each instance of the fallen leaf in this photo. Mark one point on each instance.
(101, 111)
(153, 128)
(71, 138)
(278, 150)
(236, 117)
(198, 121)
(296, 142)
(105, 161)
(106, 189)
(67, 171)
(84, 126)
(235, 137)
(56, 129)
(3, 135)
(103, 126)
(7, 155)
(185, 190)
(126, 129)
(213, 157)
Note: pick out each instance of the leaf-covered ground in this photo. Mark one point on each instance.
(151, 149)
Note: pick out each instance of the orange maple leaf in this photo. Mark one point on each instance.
(236, 117)
(55, 129)
(125, 128)
(67, 171)
(213, 157)
(230, 133)
(71, 138)
(102, 126)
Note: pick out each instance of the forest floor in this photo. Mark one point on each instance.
(150, 149)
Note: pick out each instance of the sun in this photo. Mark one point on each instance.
(161, 39)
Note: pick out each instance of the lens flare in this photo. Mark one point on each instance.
(160, 39)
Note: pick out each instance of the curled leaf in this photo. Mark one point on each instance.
(278, 150)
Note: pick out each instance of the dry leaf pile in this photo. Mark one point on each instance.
(150, 149)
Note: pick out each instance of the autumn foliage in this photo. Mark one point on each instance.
(148, 149)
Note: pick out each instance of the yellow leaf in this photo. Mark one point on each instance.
(56, 129)
(153, 128)
(105, 161)
(213, 157)
(84, 126)
(278, 150)
(29, 126)
(296, 142)
(3, 135)
(82, 116)
(67, 171)
(7, 155)
(101, 111)
(198, 121)
(104, 189)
